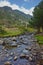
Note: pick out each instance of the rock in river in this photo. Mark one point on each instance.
(9, 43)
(1, 42)
(30, 59)
(7, 63)
(15, 58)
(28, 48)
(22, 56)
(25, 51)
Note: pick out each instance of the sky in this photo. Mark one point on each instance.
(26, 6)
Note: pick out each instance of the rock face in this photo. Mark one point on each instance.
(24, 51)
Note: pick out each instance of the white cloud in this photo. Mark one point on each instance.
(14, 6)
(27, 11)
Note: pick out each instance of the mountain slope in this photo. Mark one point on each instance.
(10, 17)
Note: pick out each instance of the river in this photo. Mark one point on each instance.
(20, 50)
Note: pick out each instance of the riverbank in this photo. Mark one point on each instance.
(11, 32)
(39, 38)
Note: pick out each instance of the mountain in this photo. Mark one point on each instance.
(12, 17)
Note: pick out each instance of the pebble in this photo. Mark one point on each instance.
(10, 58)
(7, 55)
(27, 57)
(28, 48)
(25, 51)
(22, 56)
(1, 42)
(7, 63)
(15, 58)
(30, 59)
(11, 53)
(14, 39)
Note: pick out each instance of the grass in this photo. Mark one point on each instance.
(29, 29)
(15, 31)
(11, 32)
(39, 38)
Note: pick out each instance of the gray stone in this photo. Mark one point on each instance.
(13, 44)
(22, 56)
(9, 43)
(27, 57)
(14, 39)
(10, 58)
(11, 53)
(7, 63)
(1, 42)
(15, 58)
(7, 55)
(25, 51)
(25, 42)
(28, 48)
(30, 58)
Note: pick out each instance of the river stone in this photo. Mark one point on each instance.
(7, 55)
(28, 48)
(22, 56)
(25, 42)
(10, 58)
(3, 48)
(31, 55)
(6, 41)
(15, 58)
(27, 57)
(10, 43)
(30, 58)
(25, 51)
(13, 44)
(14, 39)
(1, 42)
(11, 53)
(7, 63)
